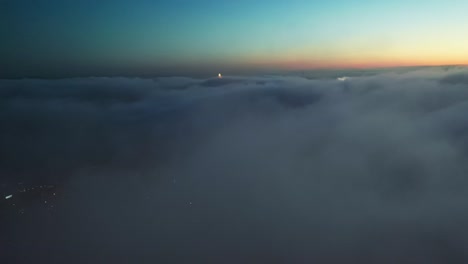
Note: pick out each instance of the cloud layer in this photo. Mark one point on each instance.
(271, 169)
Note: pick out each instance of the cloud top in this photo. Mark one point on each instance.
(244, 169)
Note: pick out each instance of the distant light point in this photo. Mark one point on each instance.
(220, 76)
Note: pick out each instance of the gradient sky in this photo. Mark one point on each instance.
(53, 38)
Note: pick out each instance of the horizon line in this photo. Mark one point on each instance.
(236, 72)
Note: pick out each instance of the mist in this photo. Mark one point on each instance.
(258, 169)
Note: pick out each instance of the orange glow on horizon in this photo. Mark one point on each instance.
(337, 63)
(364, 53)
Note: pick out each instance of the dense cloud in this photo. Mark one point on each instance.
(271, 169)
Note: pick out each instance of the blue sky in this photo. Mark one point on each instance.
(115, 37)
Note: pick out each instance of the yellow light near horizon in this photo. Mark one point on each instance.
(220, 76)
(397, 49)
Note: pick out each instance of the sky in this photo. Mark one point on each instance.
(65, 38)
